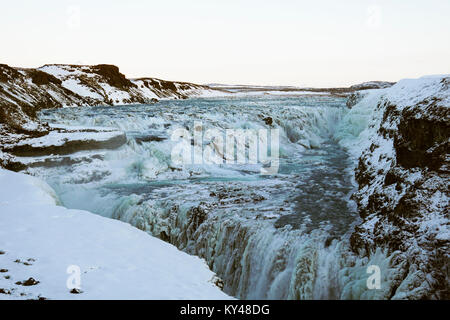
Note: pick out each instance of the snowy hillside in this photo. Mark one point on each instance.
(105, 84)
(23, 92)
(40, 240)
(372, 85)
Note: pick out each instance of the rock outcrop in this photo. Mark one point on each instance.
(372, 85)
(23, 92)
(403, 178)
(354, 98)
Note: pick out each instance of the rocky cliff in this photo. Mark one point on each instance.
(23, 92)
(403, 178)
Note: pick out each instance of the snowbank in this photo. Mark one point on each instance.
(40, 240)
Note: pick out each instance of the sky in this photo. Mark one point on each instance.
(318, 43)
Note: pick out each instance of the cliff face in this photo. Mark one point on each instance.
(104, 84)
(23, 92)
(403, 177)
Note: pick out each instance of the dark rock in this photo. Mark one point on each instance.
(42, 78)
(197, 215)
(268, 121)
(219, 283)
(76, 291)
(5, 291)
(164, 236)
(391, 178)
(27, 283)
(149, 138)
(328, 242)
(353, 99)
(422, 142)
(113, 76)
(8, 74)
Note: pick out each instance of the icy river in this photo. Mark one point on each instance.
(277, 236)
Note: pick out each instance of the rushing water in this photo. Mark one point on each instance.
(267, 236)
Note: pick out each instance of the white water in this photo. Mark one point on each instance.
(283, 236)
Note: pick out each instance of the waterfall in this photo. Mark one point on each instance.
(229, 218)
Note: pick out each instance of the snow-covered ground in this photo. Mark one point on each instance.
(55, 138)
(44, 241)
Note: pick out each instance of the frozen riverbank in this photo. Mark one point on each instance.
(40, 240)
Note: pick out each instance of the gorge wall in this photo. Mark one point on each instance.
(403, 177)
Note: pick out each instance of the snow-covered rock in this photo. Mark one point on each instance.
(42, 245)
(354, 98)
(402, 148)
(104, 84)
(362, 89)
(68, 141)
(23, 92)
(372, 85)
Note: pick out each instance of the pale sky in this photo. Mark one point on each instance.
(279, 42)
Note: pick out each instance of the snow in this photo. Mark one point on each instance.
(117, 261)
(358, 129)
(117, 96)
(60, 70)
(55, 138)
(145, 90)
(75, 86)
(409, 92)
